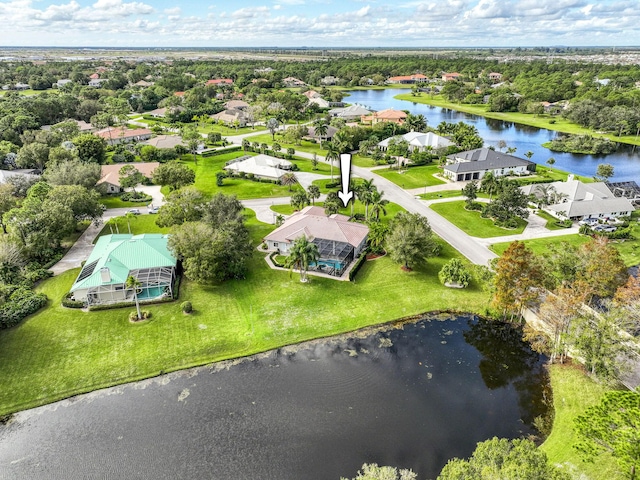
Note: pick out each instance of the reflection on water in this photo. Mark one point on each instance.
(626, 160)
(411, 397)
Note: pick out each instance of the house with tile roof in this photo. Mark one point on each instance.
(450, 77)
(339, 241)
(116, 257)
(388, 115)
(231, 117)
(110, 174)
(575, 200)
(219, 81)
(419, 141)
(408, 79)
(352, 112)
(114, 136)
(474, 164)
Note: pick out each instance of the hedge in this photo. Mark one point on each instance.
(359, 262)
(213, 153)
(22, 303)
(67, 302)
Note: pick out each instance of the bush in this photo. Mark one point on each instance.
(67, 302)
(455, 272)
(145, 314)
(186, 307)
(359, 262)
(22, 303)
(213, 153)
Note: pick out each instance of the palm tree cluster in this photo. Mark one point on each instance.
(301, 254)
(373, 200)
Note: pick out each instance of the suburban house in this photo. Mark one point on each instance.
(495, 77)
(419, 141)
(352, 112)
(62, 82)
(237, 104)
(143, 84)
(473, 164)
(231, 117)
(331, 131)
(575, 200)
(260, 166)
(219, 81)
(315, 98)
(110, 174)
(114, 136)
(329, 80)
(5, 175)
(293, 82)
(450, 77)
(165, 141)
(388, 115)
(117, 257)
(97, 82)
(339, 241)
(408, 79)
(162, 112)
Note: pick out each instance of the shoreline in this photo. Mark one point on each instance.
(542, 121)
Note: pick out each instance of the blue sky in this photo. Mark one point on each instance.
(335, 23)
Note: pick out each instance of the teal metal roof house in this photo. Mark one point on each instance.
(116, 257)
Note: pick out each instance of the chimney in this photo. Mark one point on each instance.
(105, 275)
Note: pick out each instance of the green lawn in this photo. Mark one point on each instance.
(471, 222)
(414, 177)
(79, 351)
(550, 122)
(573, 393)
(447, 194)
(629, 249)
(202, 128)
(110, 201)
(551, 220)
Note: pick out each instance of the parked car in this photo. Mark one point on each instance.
(605, 228)
(153, 209)
(135, 211)
(588, 221)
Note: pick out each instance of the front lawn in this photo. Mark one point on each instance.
(111, 201)
(471, 222)
(138, 223)
(413, 177)
(79, 351)
(552, 222)
(573, 393)
(391, 208)
(447, 194)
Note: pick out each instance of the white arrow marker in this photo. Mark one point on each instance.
(345, 175)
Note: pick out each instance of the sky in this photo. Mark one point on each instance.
(316, 23)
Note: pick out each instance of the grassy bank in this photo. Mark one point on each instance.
(573, 393)
(61, 352)
(550, 122)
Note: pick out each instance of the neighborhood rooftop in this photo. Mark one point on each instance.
(491, 160)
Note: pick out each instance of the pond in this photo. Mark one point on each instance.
(411, 397)
(626, 160)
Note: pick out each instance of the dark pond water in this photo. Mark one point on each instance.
(626, 160)
(410, 397)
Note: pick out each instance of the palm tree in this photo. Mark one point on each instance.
(314, 192)
(489, 184)
(288, 179)
(364, 194)
(301, 254)
(320, 130)
(333, 154)
(128, 216)
(133, 283)
(546, 193)
(377, 204)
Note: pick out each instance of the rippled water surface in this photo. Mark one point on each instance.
(410, 397)
(626, 160)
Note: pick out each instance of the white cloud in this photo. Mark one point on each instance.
(172, 11)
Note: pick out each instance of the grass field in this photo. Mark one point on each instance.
(550, 122)
(79, 351)
(573, 393)
(391, 208)
(471, 222)
(139, 224)
(447, 194)
(116, 202)
(551, 220)
(414, 177)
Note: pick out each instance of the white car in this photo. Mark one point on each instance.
(153, 209)
(135, 211)
(588, 221)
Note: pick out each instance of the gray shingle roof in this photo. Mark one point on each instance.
(483, 159)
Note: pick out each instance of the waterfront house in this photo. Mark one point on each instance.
(419, 141)
(118, 256)
(388, 115)
(408, 79)
(339, 241)
(474, 164)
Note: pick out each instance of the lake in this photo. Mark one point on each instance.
(411, 397)
(626, 160)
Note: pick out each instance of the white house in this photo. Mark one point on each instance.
(339, 241)
(419, 141)
(474, 164)
(261, 166)
(576, 200)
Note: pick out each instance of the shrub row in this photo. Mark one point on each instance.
(22, 303)
(67, 302)
(111, 306)
(213, 153)
(359, 262)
